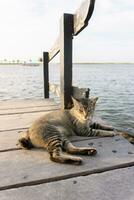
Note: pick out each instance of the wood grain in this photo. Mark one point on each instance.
(24, 167)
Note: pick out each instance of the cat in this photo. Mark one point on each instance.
(53, 131)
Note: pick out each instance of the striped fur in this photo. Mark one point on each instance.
(53, 131)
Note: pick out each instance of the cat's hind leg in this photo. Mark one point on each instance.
(57, 156)
(55, 147)
(70, 148)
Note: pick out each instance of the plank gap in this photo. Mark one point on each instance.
(14, 129)
(11, 149)
(36, 106)
(68, 176)
(24, 112)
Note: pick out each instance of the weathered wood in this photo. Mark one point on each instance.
(55, 49)
(112, 185)
(82, 15)
(22, 116)
(75, 92)
(55, 88)
(27, 103)
(117, 185)
(27, 106)
(29, 110)
(19, 168)
(46, 74)
(20, 121)
(14, 124)
(69, 25)
(9, 139)
(80, 92)
(80, 21)
(24, 167)
(66, 30)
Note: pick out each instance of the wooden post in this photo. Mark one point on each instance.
(46, 74)
(66, 31)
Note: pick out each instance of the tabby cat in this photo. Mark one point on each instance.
(53, 130)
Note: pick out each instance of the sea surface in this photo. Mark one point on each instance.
(112, 83)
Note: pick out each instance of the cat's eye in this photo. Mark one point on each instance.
(80, 110)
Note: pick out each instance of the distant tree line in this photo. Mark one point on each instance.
(18, 61)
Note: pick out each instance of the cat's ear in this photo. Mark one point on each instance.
(92, 101)
(95, 100)
(76, 103)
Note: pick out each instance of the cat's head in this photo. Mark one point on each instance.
(84, 108)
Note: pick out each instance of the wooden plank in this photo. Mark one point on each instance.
(66, 30)
(21, 168)
(9, 139)
(80, 19)
(46, 74)
(20, 121)
(55, 49)
(76, 92)
(55, 89)
(82, 15)
(117, 184)
(12, 111)
(80, 92)
(25, 103)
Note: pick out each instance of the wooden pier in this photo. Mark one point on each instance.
(70, 26)
(30, 174)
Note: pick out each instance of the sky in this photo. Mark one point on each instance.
(29, 27)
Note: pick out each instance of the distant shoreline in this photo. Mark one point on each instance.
(10, 63)
(22, 64)
(106, 63)
(84, 63)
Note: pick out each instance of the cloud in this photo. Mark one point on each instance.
(112, 6)
(29, 27)
(109, 35)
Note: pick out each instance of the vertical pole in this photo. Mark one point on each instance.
(46, 74)
(66, 31)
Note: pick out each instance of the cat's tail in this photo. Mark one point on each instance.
(24, 141)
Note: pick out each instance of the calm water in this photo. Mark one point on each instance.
(114, 84)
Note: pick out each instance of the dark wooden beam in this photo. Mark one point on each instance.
(46, 74)
(77, 92)
(80, 18)
(83, 15)
(55, 49)
(66, 31)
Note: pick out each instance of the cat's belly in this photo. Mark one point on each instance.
(66, 131)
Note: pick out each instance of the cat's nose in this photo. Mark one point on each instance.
(86, 115)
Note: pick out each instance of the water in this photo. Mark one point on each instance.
(113, 83)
